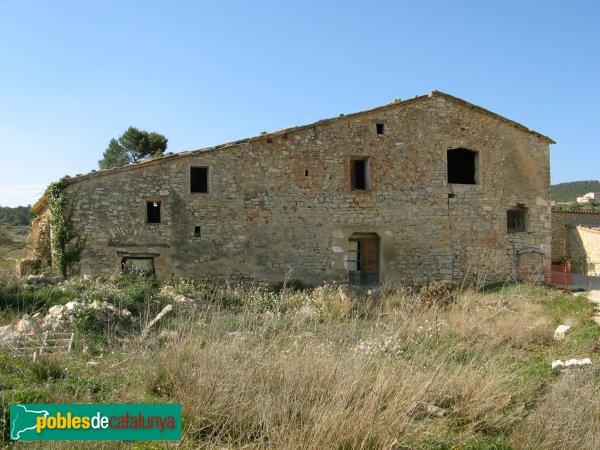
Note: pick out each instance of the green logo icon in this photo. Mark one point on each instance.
(57, 422)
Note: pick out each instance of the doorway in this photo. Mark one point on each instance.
(363, 259)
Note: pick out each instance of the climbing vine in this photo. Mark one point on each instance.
(60, 226)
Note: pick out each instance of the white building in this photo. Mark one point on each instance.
(590, 197)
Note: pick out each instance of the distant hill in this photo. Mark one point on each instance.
(568, 192)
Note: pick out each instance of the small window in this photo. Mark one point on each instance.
(515, 220)
(199, 179)
(380, 127)
(462, 166)
(306, 173)
(153, 212)
(360, 176)
(197, 231)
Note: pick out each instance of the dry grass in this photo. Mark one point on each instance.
(567, 417)
(387, 370)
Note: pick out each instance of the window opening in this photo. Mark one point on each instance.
(197, 231)
(379, 127)
(360, 174)
(515, 220)
(462, 166)
(199, 179)
(153, 212)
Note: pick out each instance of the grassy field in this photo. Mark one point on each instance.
(264, 368)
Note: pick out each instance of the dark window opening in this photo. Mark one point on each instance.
(515, 220)
(197, 231)
(306, 173)
(359, 174)
(380, 128)
(462, 166)
(153, 212)
(199, 179)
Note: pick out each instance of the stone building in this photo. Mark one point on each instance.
(431, 188)
(576, 239)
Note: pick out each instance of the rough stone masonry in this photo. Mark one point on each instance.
(431, 188)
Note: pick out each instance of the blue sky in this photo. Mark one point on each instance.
(75, 74)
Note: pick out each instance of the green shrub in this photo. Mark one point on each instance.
(47, 369)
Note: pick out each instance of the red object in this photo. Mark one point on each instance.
(561, 274)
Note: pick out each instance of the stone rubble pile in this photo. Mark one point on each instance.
(40, 281)
(169, 291)
(59, 318)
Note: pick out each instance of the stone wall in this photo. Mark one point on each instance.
(590, 238)
(568, 238)
(281, 204)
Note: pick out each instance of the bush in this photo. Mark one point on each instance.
(47, 369)
(437, 293)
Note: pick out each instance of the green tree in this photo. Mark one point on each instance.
(132, 146)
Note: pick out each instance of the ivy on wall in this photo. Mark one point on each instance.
(61, 231)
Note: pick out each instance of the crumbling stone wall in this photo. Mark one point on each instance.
(38, 256)
(282, 205)
(568, 241)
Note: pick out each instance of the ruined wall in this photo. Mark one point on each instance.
(567, 238)
(38, 257)
(282, 205)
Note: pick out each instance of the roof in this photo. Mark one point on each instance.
(395, 103)
(576, 211)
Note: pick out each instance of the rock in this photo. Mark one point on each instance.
(578, 362)
(126, 313)
(423, 411)
(27, 326)
(53, 280)
(560, 331)
(168, 291)
(72, 305)
(91, 364)
(57, 310)
(6, 331)
(180, 298)
(436, 411)
(558, 364)
(32, 279)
